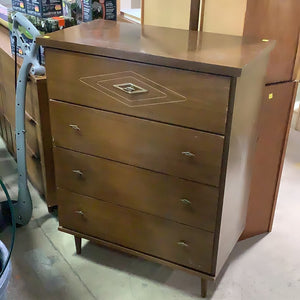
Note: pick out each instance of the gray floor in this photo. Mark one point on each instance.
(46, 267)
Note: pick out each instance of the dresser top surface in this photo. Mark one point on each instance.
(192, 50)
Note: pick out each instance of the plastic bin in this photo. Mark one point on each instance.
(4, 280)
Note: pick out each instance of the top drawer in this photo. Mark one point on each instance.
(190, 99)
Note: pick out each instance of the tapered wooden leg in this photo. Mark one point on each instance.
(203, 288)
(78, 244)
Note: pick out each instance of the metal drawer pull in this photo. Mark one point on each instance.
(188, 154)
(186, 201)
(182, 244)
(75, 127)
(32, 121)
(35, 157)
(79, 212)
(78, 172)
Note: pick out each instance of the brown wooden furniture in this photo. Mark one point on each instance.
(298, 122)
(38, 137)
(153, 144)
(278, 20)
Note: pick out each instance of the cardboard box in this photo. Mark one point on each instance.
(110, 10)
(44, 8)
(19, 5)
(88, 10)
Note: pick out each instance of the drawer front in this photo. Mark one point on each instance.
(177, 151)
(156, 236)
(168, 197)
(1, 125)
(31, 134)
(34, 170)
(174, 96)
(32, 100)
(8, 81)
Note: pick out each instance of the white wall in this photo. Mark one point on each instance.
(220, 16)
(127, 4)
(167, 13)
(135, 3)
(225, 16)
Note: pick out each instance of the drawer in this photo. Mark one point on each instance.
(34, 170)
(8, 81)
(172, 198)
(31, 134)
(8, 135)
(156, 236)
(173, 150)
(32, 101)
(174, 96)
(4, 129)
(1, 125)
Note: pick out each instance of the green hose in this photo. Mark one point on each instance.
(13, 220)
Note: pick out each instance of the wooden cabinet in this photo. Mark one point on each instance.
(153, 144)
(39, 155)
(277, 20)
(274, 125)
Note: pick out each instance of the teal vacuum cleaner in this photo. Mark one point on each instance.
(19, 212)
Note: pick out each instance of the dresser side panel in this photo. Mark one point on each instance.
(241, 148)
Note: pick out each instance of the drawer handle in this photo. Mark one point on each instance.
(78, 172)
(79, 212)
(35, 157)
(187, 153)
(186, 201)
(32, 121)
(75, 127)
(182, 244)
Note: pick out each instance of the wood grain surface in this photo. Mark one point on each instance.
(241, 136)
(172, 150)
(175, 242)
(216, 53)
(165, 196)
(273, 123)
(277, 20)
(179, 97)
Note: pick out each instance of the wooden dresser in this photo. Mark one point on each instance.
(154, 131)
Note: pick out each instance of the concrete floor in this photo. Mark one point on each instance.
(45, 265)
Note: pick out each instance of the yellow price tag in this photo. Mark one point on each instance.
(264, 40)
(271, 96)
(46, 37)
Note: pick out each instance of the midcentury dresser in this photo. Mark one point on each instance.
(154, 131)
